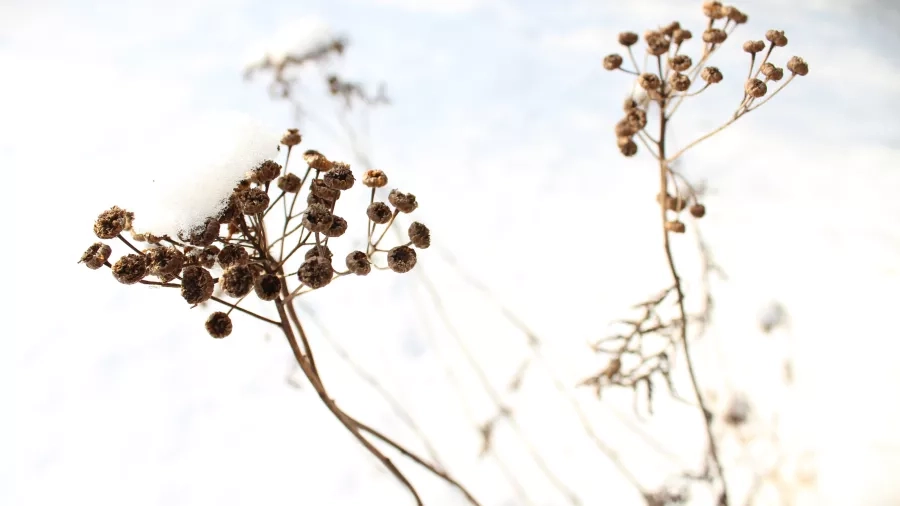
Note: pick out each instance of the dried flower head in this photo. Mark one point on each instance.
(374, 178)
(776, 37)
(292, 137)
(379, 213)
(205, 257)
(629, 104)
(627, 146)
(96, 255)
(797, 66)
(625, 128)
(676, 204)
(681, 35)
(337, 228)
(358, 263)
(649, 81)
(218, 325)
(419, 235)
(319, 251)
(713, 10)
(637, 117)
(675, 226)
(317, 160)
(669, 29)
(612, 61)
(731, 12)
(110, 223)
(401, 259)
(657, 43)
(404, 202)
(317, 218)
(771, 72)
(252, 201)
(340, 177)
(202, 235)
(315, 272)
(232, 255)
(267, 286)
(320, 189)
(130, 269)
(265, 172)
(754, 46)
(698, 210)
(680, 62)
(714, 35)
(196, 284)
(712, 75)
(755, 88)
(237, 280)
(679, 81)
(165, 262)
(628, 39)
(289, 183)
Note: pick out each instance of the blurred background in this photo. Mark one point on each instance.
(500, 119)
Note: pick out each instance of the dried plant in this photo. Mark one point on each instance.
(644, 352)
(246, 249)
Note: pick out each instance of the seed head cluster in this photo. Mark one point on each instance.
(246, 248)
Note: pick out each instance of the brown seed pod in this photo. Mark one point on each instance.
(627, 146)
(679, 82)
(317, 218)
(754, 46)
(712, 75)
(771, 72)
(755, 88)
(218, 325)
(289, 183)
(375, 178)
(379, 213)
(252, 201)
(680, 63)
(731, 12)
(340, 177)
(110, 223)
(96, 255)
(205, 257)
(714, 36)
(292, 137)
(130, 269)
(232, 255)
(681, 35)
(267, 287)
(317, 160)
(237, 280)
(629, 104)
(637, 117)
(676, 204)
(337, 228)
(698, 210)
(265, 172)
(201, 235)
(243, 185)
(196, 284)
(657, 43)
(419, 235)
(797, 66)
(314, 199)
(713, 10)
(675, 226)
(401, 259)
(628, 39)
(358, 263)
(776, 37)
(625, 128)
(165, 263)
(318, 188)
(669, 29)
(649, 81)
(315, 272)
(404, 202)
(319, 251)
(612, 62)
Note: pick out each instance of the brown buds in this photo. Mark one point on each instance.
(96, 255)
(317, 160)
(289, 183)
(713, 10)
(232, 255)
(627, 146)
(649, 81)
(237, 280)
(675, 226)
(267, 287)
(337, 228)
(315, 272)
(291, 138)
(130, 269)
(252, 201)
(680, 63)
(218, 325)
(196, 284)
(164, 263)
(403, 202)
(754, 46)
(712, 75)
(776, 37)
(628, 39)
(612, 62)
(317, 218)
(714, 36)
(110, 223)
(419, 235)
(375, 179)
(679, 82)
(797, 66)
(698, 210)
(657, 43)
(771, 72)
(681, 35)
(401, 259)
(358, 263)
(340, 177)
(266, 172)
(755, 88)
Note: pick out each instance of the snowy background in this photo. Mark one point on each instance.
(501, 122)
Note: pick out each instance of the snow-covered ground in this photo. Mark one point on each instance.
(501, 124)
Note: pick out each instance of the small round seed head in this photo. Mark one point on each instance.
(265, 172)
(698, 210)
(337, 228)
(319, 251)
(649, 81)
(714, 36)
(317, 160)
(754, 46)
(165, 263)
(317, 218)
(419, 235)
(232, 255)
(629, 104)
(669, 29)
(96, 255)
(776, 37)
(713, 10)
(324, 193)
(681, 35)
(657, 43)
(797, 66)
(712, 75)
(110, 223)
(679, 81)
(206, 256)
(267, 286)
(771, 72)
(628, 39)
(637, 117)
(218, 325)
(237, 280)
(196, 284)
(680, 63)
(612, 61)
(401, 259)
(201, 235)
(374, 178)
(627, 146)
(292, 137)
(242, 185)
(675, 226)
(315, 272)
(289, 183)
(404, 202)
(625, 128)
(252, 201)
(734, 14)
(755, 88)
(130, 269)
(379, 213)
(358, 263)
(676, 204)
(340, 177)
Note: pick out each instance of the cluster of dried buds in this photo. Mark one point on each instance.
(232, 249)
